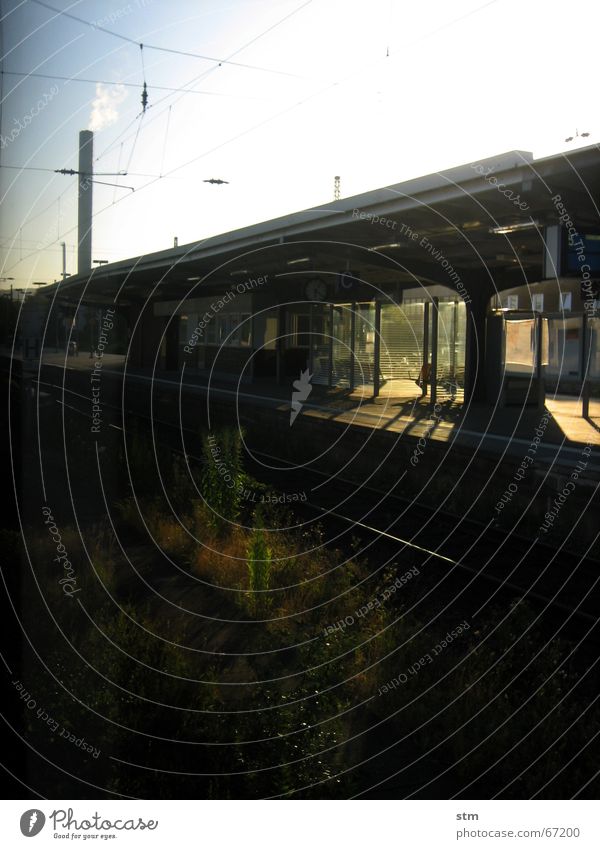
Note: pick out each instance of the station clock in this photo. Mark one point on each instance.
(316, 290)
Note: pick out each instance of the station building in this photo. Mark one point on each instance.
(475, 283)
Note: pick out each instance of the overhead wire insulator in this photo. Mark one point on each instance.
(144, 90)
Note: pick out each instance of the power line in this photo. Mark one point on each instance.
(137, 132)
(209, 71)
(45, 209)
(174, 50)
(267, 120)
(118, 168)
(195, 79)
(162, 161)
(26, 168)
(172, 89)
(70, 170)
(14, 9)
(2, 70)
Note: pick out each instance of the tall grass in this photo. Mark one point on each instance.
(259, 571)
(223, 477)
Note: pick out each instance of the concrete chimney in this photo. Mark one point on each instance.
(84, 209)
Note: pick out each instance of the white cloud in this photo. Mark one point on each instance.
(104, 106)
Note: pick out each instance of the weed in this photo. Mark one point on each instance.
(222, 481)
(259, 570)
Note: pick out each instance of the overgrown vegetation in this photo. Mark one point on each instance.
(259, 571)
(216, 658)
(223, 477)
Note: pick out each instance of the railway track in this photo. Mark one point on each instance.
(392, 525)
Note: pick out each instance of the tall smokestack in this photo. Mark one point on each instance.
(84, 209)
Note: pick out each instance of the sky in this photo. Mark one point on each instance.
(274, 96)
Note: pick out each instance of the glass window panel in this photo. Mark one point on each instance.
(519, 352)
(210, 332)
(364, 344)
(452, 328)
(537, 302)
(401, 341)
(320, 343)
(593, 358)
(564, 347)
(342, 344)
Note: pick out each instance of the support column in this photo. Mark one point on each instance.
(377, 350)
(280, 344)
(475, 344)
(454, 337)
(585, 364)
(352, 344)
(425, 357)
(172, 344)
(434, 348)
(539, 361)
(330, 380)
(311, 319)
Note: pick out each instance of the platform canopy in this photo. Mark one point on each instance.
(484, 220)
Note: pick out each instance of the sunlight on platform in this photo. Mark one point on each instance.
(566, 410)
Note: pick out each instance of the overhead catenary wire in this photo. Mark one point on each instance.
(10, 12)
(164, 150)
(334, 84)
(40, 213)
(140, 117)
(118, 167)
(174, 50)
(1, 75)
(209, 71)
(137, 133)
(219, 62)
(267, 120)
(118, 185)
(144, 90)
(172, 89)
(60, 170)
(183, 91)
